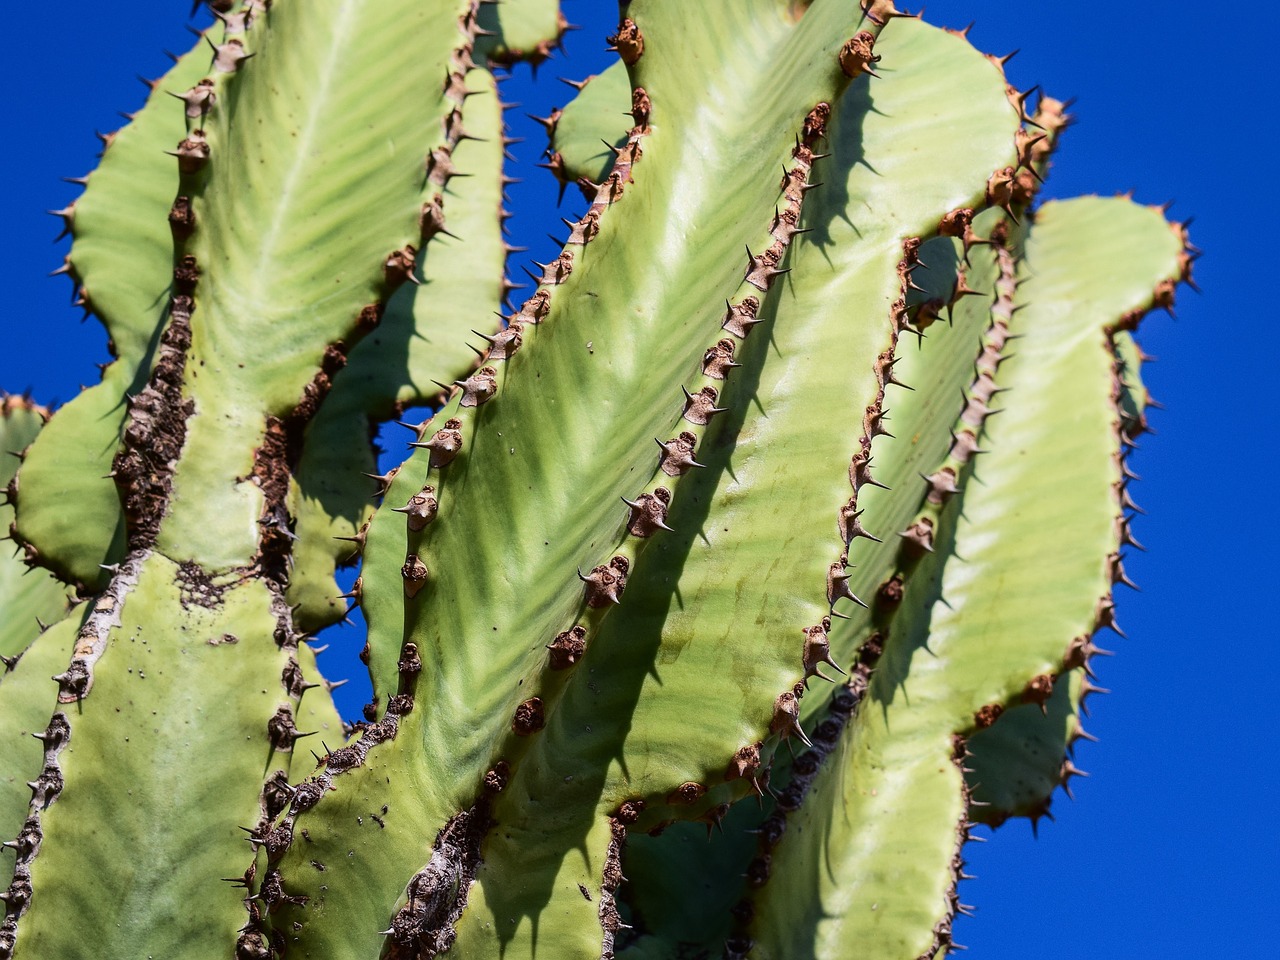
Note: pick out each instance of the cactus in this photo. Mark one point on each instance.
(742, 692)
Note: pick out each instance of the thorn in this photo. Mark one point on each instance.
(1084, 734)
(548, 122)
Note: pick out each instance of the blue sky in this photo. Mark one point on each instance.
(1170, 848)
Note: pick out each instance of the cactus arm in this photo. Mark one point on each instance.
(1016, 764)
(995, 613)
(580, 134)
(272, 293)
(31, 597)
(121, 260)
(424, 338)
(520, 30)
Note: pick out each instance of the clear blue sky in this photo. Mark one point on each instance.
(1170, 849)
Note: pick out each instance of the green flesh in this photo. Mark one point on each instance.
(154, 735)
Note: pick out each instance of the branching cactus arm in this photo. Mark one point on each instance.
(980, 629)
(121, 263)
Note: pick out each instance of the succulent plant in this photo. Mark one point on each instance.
(740, 692)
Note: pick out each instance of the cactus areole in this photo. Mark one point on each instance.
(743, 693)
